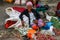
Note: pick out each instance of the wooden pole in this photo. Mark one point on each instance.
(20, 2)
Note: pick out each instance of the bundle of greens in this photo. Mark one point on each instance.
(56, 22)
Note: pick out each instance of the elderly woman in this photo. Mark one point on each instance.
(30, 14)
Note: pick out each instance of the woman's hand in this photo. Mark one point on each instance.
(22, 23)
(36, 21)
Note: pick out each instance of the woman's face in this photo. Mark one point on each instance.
(29, 7)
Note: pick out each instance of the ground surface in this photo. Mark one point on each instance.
(6, 34)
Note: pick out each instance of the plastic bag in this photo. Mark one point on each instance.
(48, 32)
(17, 2)
(13, 16)
(56, 22)
(23, 28)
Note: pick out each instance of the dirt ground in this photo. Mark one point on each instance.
(6, 34)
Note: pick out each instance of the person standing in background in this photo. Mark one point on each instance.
(58, 10)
